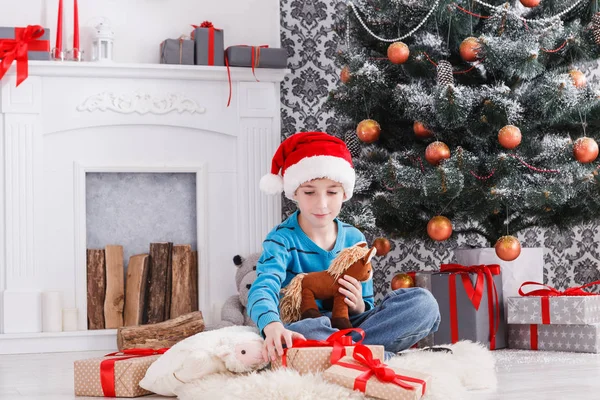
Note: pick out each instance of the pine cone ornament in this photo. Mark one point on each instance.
(444, 73)
(596, 27)
(352, 143)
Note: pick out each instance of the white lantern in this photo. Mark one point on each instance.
(102, 45)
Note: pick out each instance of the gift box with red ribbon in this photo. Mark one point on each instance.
(366, 373)
(22, 45)
(471, 304)
(210, 44)
(116, 374)
(547, 305)
(312, 356)
(256, 57)
(571, 338)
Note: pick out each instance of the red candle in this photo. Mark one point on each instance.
(58, 46)
(76, 31)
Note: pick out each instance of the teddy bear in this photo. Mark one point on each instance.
(234, 349)
(234, 309)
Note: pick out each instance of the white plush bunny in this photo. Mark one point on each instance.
(235, 349)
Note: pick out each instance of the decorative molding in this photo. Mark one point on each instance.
(141, 103)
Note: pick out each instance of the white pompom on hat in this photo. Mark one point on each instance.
(305, 156)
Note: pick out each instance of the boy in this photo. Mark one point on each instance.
(317, 173)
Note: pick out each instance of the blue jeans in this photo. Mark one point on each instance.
(404, 317)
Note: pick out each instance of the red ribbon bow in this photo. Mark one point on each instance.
(372, 366)
(549, 291)
(338, 340)
(255, 62)
(107, 367)
(26, 39)
(475, 294)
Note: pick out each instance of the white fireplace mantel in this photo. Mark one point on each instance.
(67, 119)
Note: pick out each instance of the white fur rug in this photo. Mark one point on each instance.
(470, 367)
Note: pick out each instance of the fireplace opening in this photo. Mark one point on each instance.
(142, 261)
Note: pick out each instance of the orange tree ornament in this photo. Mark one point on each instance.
(509, 137)
(368, 131)
(439, 228)
(508, 248)
(402, 281)
(398, 53)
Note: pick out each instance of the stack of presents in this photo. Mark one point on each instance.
(205, 46)
(473, 306)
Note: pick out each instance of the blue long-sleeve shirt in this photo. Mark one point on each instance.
(288, 251)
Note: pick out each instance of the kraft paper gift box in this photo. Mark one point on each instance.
(574, 306)
(572, 338)
(466, 312)
(120, 381)
(309, 360)
(262, 57)
(177, 51)
(210, 46)
(39, 49)
(363, 374)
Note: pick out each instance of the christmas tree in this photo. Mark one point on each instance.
(469, 115)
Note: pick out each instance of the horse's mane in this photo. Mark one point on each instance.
(346, 259)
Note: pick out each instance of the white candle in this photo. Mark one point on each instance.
(69, 319)
(51, 312)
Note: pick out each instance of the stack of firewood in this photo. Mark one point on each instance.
(161, 285)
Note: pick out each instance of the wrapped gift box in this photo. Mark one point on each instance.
(264, 57)
(572, 338)
(210, 46)
(177, 51)
(348, 369)
(40, 48)
(128, 372)
(308, 360)
(461, 319)
(563, 310)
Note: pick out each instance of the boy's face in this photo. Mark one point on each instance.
(320, 201)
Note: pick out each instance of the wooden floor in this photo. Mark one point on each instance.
(522, 375)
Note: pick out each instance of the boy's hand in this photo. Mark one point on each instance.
(274, 333)
(352, 289)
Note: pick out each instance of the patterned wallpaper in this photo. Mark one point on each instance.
(570, 257)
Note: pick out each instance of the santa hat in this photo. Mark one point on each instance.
(305, 156)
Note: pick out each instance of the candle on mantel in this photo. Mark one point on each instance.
(69, 319)
(76, 31)
(58, 47)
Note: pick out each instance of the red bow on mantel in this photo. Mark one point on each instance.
(549, 291)
(107, 367)
(26, 39)
(475, 294)
(338, 340)
(372, 366)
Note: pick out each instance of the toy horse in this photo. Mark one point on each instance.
(298, 301)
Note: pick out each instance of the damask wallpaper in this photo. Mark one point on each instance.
(570, 257)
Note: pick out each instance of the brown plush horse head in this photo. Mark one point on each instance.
(298, 301)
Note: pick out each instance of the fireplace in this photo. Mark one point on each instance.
(69, 121)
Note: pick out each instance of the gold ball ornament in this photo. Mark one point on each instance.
(368, 130)
(421, 131)
(509, 137)
(439, 228)
(508, 248)
(578, 77)
(530, 3)
(402, 281)
(469, 49)
(345, 75)
(382, 245)
(398, 52)
(585, 150)
(436, 152)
